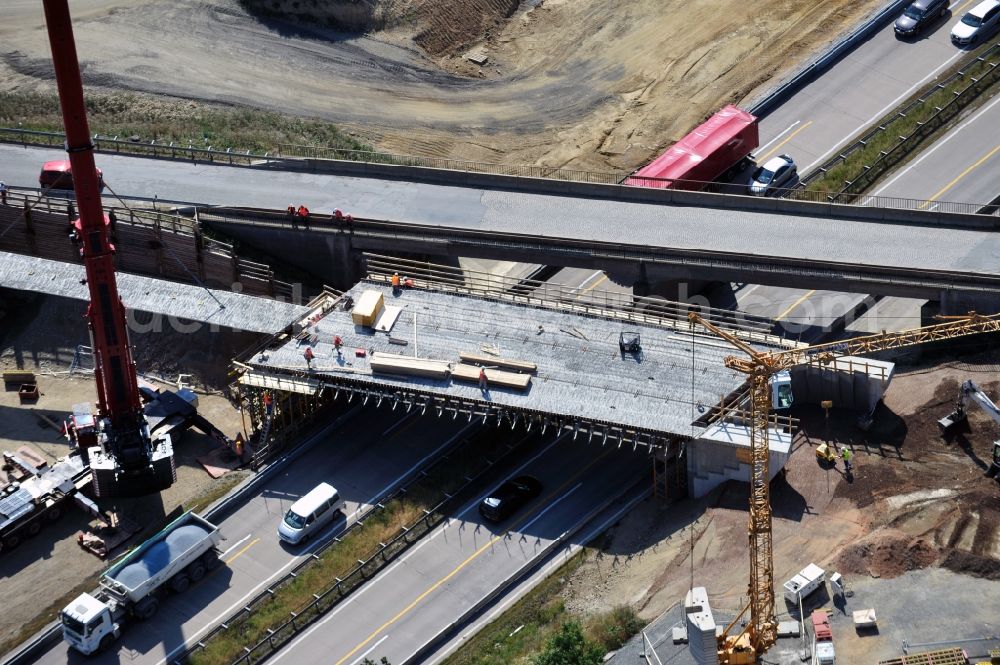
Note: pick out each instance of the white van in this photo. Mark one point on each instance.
(310, 514)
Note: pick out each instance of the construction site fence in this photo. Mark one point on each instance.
(870, 173)
(365, 569)
(149, 242)
(286, 154)
(601, 303)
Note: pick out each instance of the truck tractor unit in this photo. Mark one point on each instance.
(823, 646)
(172, 560)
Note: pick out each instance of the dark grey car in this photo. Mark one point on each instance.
(919, 15)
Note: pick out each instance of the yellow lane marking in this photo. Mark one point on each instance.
(251, 544)
(794, 305)
(494, 540)
(960, 176)
(597, 283)
(963, 7)
(761, 160)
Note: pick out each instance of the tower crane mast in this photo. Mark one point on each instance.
(124, 459)
(760, 632)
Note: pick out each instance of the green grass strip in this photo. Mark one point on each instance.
(863, 166)
(184, 123)
(361, 543)
(520, 634)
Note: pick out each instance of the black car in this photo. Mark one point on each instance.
(504, 500)
(918, 15)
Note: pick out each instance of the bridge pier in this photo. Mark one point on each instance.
(955, 303)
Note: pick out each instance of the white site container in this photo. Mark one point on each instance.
(808, 580)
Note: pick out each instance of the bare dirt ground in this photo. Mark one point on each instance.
(40, 334)
(915, 501)
(584, 84)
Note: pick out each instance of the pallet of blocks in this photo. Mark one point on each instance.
(951, 656)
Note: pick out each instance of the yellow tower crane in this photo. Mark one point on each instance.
(761, 630)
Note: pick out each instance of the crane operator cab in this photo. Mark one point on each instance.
(781, 391)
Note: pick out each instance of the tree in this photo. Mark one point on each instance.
(570, 647)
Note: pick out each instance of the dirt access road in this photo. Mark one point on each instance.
(585, 84)
(916, 501)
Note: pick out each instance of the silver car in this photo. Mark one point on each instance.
(776, 173)
(978, 22)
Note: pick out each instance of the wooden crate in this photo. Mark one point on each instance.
(368, 308)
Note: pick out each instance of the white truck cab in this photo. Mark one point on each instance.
(825, 654)
(88, 624)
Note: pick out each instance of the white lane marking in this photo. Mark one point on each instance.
(788, 129)
(881, 113)
(365, 654)
(399, 423)
(521, 589)
(955, 132)
(242, 601)
(236, 544)
(596, 275)
(409, 471)
(386, 571)
(548, 507)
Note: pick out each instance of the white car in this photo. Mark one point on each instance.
(977, 23)
(776, 173)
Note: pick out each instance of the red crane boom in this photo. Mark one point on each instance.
(126, 462)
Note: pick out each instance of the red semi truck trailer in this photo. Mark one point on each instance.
(709, 151)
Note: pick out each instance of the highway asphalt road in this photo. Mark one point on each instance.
(856, 91)
(462, 561)
(364, 462)
(963, 165)
(682, 227)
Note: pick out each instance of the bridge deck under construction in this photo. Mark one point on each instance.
(576, 375)
(185, 302)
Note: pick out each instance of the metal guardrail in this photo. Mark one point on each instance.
(152, 148)
(886, 159)
(327, 599)
(606, 304)
(437, 640)
(764, 106)
(165, 151)
(27, 652)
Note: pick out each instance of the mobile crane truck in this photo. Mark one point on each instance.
(171, 560)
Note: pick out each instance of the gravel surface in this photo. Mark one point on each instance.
(40, 334)
(585, 84)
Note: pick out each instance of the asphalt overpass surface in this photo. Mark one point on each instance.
(676, 235)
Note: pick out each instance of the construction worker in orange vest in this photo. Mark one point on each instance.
(483, 385)
(309, 355)
(395, 283)
(268, 403)
(337, 343)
